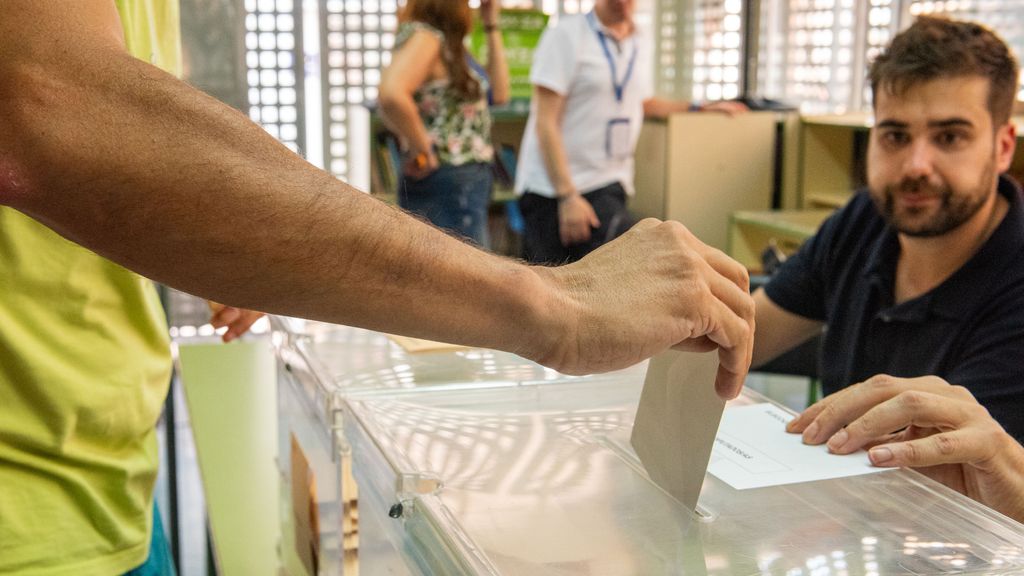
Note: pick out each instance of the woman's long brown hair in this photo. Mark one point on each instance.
(454, 19)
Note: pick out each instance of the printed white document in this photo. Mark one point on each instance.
(753, 450)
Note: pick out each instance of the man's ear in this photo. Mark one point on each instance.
(1006, 143)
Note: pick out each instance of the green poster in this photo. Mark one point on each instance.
(520, 33)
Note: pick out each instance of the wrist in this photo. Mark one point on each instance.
(418, 151)
(492, 27)
(550, 314)
(563, 195)
(414, 144)
(1008, 496)
(419, 158)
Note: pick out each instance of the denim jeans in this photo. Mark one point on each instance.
(159, 562)
(452, 197)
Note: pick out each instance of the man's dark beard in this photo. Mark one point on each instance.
(954, 209)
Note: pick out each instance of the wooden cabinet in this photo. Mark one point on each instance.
(832, 155)
(700, 168)
(751, 232)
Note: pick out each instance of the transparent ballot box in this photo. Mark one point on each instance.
(319, 367)
(331, 362)
(541, 480)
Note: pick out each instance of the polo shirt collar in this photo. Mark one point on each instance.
(960, 293)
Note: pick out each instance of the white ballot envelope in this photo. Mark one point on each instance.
(677, 420)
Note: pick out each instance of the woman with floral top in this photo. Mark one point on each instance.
(434, 96)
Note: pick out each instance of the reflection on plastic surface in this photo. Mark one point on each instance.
(531, 486)
(322, 364)
(353, 361)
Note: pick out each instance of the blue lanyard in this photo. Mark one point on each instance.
(618, 86)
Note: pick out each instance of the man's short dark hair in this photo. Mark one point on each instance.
(935, 47)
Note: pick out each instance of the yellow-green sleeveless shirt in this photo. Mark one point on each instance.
(84, 368)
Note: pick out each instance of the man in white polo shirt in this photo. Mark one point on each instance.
(593, 85)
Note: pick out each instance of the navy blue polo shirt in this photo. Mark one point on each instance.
(969, 330)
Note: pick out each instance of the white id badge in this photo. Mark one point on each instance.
(618, 139)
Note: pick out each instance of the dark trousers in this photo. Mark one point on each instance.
(541, 243)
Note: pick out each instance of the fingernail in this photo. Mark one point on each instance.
(811, 433)
(791, 425)
(880, 456)
(838, 440)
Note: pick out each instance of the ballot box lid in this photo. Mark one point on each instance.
(541, 480)
(331, 362)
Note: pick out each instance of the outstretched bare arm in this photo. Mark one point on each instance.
(128, 161)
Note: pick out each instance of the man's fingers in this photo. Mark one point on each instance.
(224, 316)
(955, 447)
(576, 219)
(239, 328)
(803, 422)
(728, 384)
(574, 231)
(591, 216)
(804, 419)
(579, 232)
(582, 232)
(878, 422)
(729, 268)
(729, 315)
(718, 260)
(734, 336)
(733, 295)
(912, 408)
(823, 420)
(241, 325)
(567, 232)
(730, 108)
